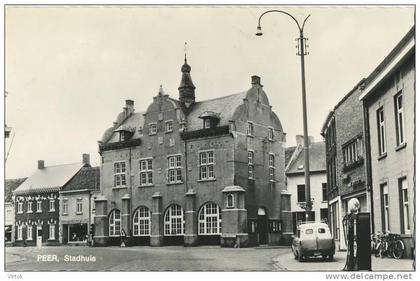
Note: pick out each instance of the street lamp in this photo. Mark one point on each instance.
(301, 52)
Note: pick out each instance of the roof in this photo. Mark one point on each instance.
(316, 160)
(85, 178)
(133, 123)
(224, 106)
(288, 153)
(49, 178)
(10, 186)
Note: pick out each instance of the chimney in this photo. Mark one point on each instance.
(85, 159)
(129, 107)
(256, 80)
(300, 140)
(41, 164)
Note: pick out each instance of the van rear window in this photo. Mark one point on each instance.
(321, 230)
(309, 231)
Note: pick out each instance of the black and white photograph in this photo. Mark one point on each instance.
(199, 137)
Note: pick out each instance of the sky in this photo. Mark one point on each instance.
(69, 69)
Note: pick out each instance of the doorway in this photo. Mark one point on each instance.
(262, 226)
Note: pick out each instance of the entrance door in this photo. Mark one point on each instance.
(262, 226)
(39, 236)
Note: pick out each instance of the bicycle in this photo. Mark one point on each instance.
(388, 244)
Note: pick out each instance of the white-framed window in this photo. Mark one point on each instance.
(119, 174)
(271, 167)
(250, 129)
(65, 206)
(174, 169)
(29, 207)
(115, 223)
(79, 206)
(20, 232)
(207, 123)
(52, 205)
(29, 232)
(270, 134)
(353, 151)
(250, 164)
(171, 141)
(399, 118)
(146, 172)
(206, 165)
(141, 222)
(230, 201)
(152, 129)
(405, 215)
(20, 207)
(209, 219)
(52, 232)
(381, 131)
(39, 206)
(385, 206)
(169, 126)
(174, 221)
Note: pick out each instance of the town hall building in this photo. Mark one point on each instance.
(192, 172)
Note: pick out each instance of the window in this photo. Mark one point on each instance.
(153, 129)
(301, 193)
(171, 141)
(385, 207)
(174, 169)
(207, 123)
(353, 151)
(209, 219)
(20, 232)
(79, 206)
(169, 126)
(405, 214)
(270, 134)
(119, 174)
(271, 167)
(146, 172)
(324, 192)
(29, 234)
(174, 221)
(230, 201)
(399, 118)
(114, 223)
(206, 165)
(65, 206)
(29, 206)
(20, 207)
(381, 131)
(39, 206)
(52, 205)
(141, 222)
(122, 136)
(52, 232)
(250, 164)
(250, 130)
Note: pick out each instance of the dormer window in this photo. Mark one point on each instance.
(207, 123)
(210, 119)
(125, 132)
(122, 136)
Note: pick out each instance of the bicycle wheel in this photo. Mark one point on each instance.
(398, 249)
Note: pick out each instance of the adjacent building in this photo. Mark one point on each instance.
(193, 172)
(77, 206)
(345, 160)
(389, 111)
(9, 217)
(37, 203)
(295, 179)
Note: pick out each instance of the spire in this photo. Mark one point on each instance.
(186, 88)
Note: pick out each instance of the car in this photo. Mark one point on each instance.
(313, 239)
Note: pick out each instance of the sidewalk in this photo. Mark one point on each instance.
(288, 263)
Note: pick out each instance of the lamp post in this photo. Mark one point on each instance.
(301, 52)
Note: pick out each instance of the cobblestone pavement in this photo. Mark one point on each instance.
(287, 262)
(176, 258)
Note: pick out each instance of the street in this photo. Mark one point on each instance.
(176, 258)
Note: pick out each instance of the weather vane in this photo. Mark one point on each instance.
(185, 51)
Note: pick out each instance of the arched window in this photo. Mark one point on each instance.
(141, 222)
(209, 219)
(115, 223)
(174, 221)
(230, 201)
